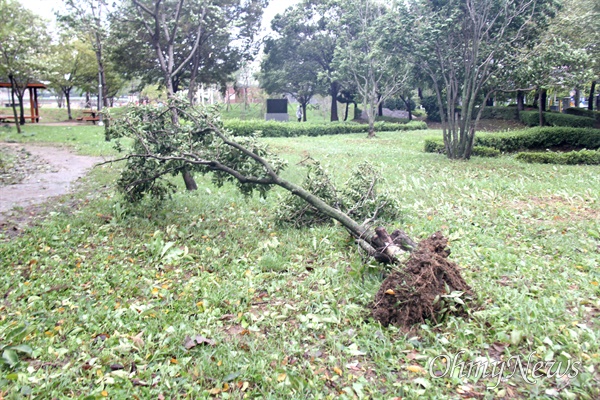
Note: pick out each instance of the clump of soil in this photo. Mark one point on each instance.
(414, 293)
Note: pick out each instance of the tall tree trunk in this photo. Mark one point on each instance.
(544, 99)
(333, 91)
(577, 100)
(304, 111)
(520, 103)
(20, 96)
(541, 107)
(407, 105)
(591, 98)
(188, 179)
(346, 113)
(67, 93)
(100, 61)
(14, 106)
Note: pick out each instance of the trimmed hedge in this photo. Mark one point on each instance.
(541, 138)
(529, 139)
(582, 112)
(293, 129)
(532, 118)
(583, 157)
(505, 113)
(436, 145)
(484, 151)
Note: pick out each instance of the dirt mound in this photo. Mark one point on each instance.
(415, 293)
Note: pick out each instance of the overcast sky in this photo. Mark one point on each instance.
(46, 8)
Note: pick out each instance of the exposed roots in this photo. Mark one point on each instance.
(427, 287)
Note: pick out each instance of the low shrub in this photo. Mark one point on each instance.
(541, 139)
(432, 109)
(528, 139)
(484, 151)
(532, 118)
(504, 113)
(293, 129)
(583, 157)
(392, 119)
(582, 112)
(436, 145)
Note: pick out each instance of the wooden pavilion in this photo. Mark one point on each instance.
(33, 101)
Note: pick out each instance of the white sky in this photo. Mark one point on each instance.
(46, 8)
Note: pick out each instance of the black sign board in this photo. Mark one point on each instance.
(277, 106)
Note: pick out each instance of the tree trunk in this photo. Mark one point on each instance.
(520, 103)
(67, 93)
(577, 97)
(407, 105)
(14, 106)
(100, 61)
(188, 179)
(591, 98)
(544, 99)
(346, 113)
(21, 107)
(333, 91)
(541, 108)
(303, 111)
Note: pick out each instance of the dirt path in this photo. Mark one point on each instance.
(61, 169)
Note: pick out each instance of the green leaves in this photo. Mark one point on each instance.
(11, 353)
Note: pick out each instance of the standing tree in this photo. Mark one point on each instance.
(90, 18)
(553, 64)
(71, 64)
(372, 54)
(578, 24)
(464, 44)
(305, 36)
(284, 71)
(23, 43)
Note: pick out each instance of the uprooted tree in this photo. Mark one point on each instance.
(199, 142)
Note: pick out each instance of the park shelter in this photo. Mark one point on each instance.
(33, 100)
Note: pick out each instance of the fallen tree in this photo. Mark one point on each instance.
(199, 143)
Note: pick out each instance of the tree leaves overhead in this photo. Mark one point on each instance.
(222, 29)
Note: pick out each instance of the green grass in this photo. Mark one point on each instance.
(98, 283)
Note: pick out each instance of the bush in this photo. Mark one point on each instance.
(431, 107)
(531, 118)
(436, 145)
(541, 139)
(505, 113)
(582, 112)
(484, 151)
(528, 139)
(583, 157)
(293, 129)
(392, 119)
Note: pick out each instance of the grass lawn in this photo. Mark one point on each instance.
(107, 296)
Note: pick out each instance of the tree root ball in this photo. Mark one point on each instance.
(415, 293)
